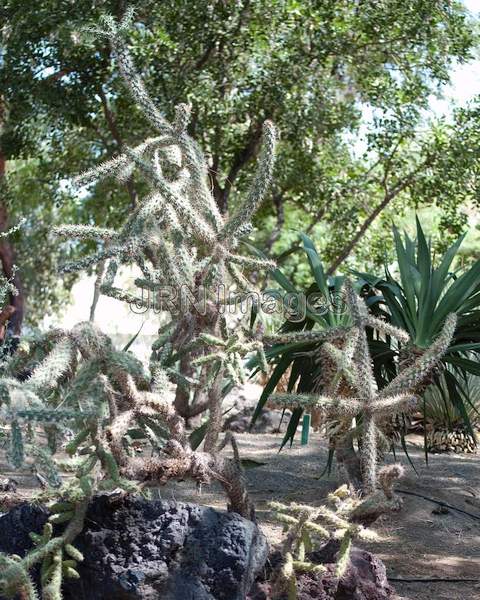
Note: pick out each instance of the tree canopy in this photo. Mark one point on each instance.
(314, 68)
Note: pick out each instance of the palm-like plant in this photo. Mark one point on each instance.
(418, 299)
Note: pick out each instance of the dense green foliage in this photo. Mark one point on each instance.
(311, 67)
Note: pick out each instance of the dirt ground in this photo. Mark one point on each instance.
(415, 543)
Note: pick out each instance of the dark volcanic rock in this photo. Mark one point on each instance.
(365, 579)
(135, 549)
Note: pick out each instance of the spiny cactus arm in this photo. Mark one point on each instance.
(154, 209)
(197, 166)
(84, 263)
(53, 589)
(285, 581)
(394, 404)
(124, 296)
(363, 361)
(236, 373)
(387, 329)
(208, 358)
(231, 475)
(119, 362)
(294, 534)
(356, 531)
(369, 453)
(118, 166)
(259, 185)
(56, 364)
(20, 402)
(388, 476)
(160, 381)
(15, 580)
(116, 432)
(212, 340)
(89, 340)
(345, 529)
(178, 460)
(252, 263)
(307, 336)
(81, 385)
(341, 407)
(240, 280)
(169, 269)
(86, 232)
(332, 518)
(373, 506)
(356, 305)
(49, 415)
(115, 33)
(308, 567)
(311, 526)
(346, 367)
(343, 558)
(25, 358)
(14, 575)
(410, 377)
(350, 344)
(187, 214)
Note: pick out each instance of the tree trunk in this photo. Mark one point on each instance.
(7, 260)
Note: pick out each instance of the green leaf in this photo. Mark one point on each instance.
(329, 464)
(130, 342)
(466, 364)
(404, 266)
(275, 377)
(197, 436)
(292, 427)
(455, 397)
(404, 447)
(316, 265)
(456, 295)
(249, 463)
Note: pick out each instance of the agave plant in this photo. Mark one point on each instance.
(419, 297)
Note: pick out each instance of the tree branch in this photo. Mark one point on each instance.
(389, 196)
(241, 158)
(112, 126)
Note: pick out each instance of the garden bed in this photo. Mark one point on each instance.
(416, 543)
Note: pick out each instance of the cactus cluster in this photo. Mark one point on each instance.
(103, 395)
(183, 247)
(306, 526)
(352, 398)
(77, 382)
